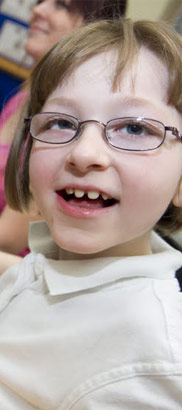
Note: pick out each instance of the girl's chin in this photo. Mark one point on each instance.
(77, 248)
(80, 250)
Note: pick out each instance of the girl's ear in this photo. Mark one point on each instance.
(177, 198)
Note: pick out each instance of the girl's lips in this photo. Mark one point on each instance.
(83, 207)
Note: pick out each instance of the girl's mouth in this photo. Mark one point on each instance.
(90, 199)
(84, 202)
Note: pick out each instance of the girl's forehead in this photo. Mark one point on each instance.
(97, 67)
(145, 75)
(96, 70)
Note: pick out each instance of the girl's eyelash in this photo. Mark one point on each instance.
(50, 123)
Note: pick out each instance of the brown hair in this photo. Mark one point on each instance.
(126, 37)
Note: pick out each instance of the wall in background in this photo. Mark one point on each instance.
(15, 64)
(147, 9)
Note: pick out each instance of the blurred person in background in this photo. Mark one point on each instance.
(49, 22)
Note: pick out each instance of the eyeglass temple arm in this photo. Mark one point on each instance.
(175, 132)
(27, 121)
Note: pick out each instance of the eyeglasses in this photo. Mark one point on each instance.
(125, 133)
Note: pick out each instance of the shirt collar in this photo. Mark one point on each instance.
(71, 276)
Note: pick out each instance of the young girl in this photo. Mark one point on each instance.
(92, 318)
(50, 21)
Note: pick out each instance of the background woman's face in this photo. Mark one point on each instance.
(50, 21)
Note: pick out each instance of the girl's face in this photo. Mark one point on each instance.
(70, 182)
(49, 22)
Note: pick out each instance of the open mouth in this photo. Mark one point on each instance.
(89, 199)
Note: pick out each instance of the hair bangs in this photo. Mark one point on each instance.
(73, 51)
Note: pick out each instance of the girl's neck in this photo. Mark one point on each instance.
(137, 247)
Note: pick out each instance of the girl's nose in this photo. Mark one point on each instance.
(90, 151)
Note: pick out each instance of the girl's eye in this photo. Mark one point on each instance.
(135, 129)
(130, 129)
(56, 124)
(61, 125)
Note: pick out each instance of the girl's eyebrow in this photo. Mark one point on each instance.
(127, 102)
(67, 102)
(130, 102)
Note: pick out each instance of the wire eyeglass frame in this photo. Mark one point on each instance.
(130, 121)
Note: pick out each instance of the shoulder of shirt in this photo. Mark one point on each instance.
(17, 278)
(175, 241)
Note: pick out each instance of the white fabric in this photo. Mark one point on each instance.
(103, 334)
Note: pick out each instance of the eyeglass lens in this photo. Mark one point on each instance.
(53, 128)
(135, 133)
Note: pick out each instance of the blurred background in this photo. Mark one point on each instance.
(15, 64)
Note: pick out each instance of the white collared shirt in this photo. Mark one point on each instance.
(102, 334)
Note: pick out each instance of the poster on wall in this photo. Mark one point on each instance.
(18, 9)
(14, 23)
(12, 41)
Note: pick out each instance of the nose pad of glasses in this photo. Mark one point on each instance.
(82, 125)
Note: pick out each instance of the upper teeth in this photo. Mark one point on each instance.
(79, 193)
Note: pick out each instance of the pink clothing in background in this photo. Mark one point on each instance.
(9, 109)
(4, 151)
